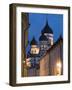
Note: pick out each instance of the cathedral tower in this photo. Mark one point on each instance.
(46, 39)
(34, 47)
(47, 31)
(43, 42)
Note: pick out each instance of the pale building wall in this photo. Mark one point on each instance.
(51, 63)
(44, 64)
(54, 58)
(50, 37)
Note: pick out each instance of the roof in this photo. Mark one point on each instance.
(33, 42)
(47, 29)
(43, 38)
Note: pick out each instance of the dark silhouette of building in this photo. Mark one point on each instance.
(25, 26)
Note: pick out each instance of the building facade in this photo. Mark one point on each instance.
(45, 57)
(46, 39)
(52, 62)
(24, 38)
(38, 49)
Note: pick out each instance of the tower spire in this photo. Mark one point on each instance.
(46, 18)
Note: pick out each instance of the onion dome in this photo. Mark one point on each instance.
(47, 29)
(43, 38)
(33, 42)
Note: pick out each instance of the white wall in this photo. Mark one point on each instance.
(4, 45)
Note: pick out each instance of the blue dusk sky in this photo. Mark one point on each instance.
(38, 21)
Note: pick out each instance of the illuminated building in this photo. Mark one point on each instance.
(33, 56)
(52, 61)
(45, 57)
(46, 39)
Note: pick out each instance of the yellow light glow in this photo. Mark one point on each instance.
(59, 64)
(58, 67)
(28, 62)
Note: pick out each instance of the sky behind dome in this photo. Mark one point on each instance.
(38, 21)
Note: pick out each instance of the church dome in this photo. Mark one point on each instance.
(33, 42)
(43, 38)
(47, 29)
